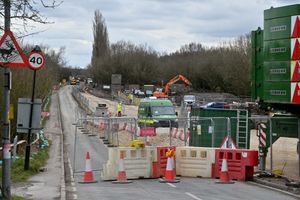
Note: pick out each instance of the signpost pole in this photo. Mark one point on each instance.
(27, 153)
(6, 192)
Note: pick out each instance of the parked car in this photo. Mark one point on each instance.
(189, 100)
(216, 105)
(139, 93)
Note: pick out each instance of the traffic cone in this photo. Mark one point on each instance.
(88, 174)
(121, 178)
(169, 174)
(224, 175)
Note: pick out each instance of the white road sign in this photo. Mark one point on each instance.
(36, 60)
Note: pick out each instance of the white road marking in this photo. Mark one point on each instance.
(193, 196)
(172, 185)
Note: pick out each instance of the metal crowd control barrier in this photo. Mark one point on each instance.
(83, 101)
(109, 129)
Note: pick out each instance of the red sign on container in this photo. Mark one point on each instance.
(295, 49)
(295, 93)
(295, 68)
(295, 24)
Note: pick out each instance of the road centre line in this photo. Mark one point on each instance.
(193, 196)
(172, 185)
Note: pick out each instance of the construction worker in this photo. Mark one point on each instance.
(130, 97)
(119, 109)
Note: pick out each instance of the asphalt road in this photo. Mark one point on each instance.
(188, 188)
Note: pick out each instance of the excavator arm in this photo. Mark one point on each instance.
(170, 83)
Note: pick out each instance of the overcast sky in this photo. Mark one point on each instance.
(164, 25)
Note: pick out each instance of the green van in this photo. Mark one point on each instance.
(154, 112)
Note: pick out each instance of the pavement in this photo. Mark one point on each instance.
(48, 184)
(284, 185)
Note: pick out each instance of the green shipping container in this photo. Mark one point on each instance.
(210, 126)
(277, 92)
(283, 11)
(277, 50)
(277, 71)
(278, 28)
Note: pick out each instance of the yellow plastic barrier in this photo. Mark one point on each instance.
(137, 162)
(194, 161)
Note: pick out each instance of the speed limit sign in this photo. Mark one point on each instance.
(36, 60)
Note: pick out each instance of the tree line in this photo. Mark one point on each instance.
(224, 68)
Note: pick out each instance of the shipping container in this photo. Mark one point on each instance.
(277, 71)
(283, 11)
(278, 28)
(277, 92)
(277, 50)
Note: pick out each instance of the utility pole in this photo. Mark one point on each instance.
(6, 155)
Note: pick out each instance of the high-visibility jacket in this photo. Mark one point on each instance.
(119, 107)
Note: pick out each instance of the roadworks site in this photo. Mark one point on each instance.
(122, 134)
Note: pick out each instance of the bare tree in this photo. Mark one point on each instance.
(100, 46)
(25, 11)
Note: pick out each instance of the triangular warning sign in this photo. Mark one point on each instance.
(228, 143)
(295, 71)
(295, 92)
(295, 49)
(11, 54)
(295, 24)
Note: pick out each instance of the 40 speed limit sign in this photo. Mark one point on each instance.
(36, 60)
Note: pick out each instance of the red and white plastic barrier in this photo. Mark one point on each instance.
(179, 134)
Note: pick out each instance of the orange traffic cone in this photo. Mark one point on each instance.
(224, 175)
(121, 178)
(88, 174)
(169, 174)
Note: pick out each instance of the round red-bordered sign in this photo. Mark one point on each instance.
(36, 60)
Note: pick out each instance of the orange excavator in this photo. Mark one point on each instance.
(166, 88)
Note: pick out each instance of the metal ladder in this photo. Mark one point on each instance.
(242, 129)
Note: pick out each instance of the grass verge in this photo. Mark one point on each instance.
(37, 161)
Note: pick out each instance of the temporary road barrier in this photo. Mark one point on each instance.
(241, 163)
(137, 161)
(195, 161)
(147, 131)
